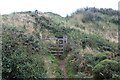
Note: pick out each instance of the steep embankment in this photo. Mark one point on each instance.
(23, 49)
(92, 38)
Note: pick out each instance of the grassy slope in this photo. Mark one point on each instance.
(74, 27)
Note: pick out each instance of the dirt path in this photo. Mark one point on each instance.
(62, 67)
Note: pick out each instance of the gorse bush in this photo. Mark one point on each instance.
(102, 56)
(106, 69)
(20, 58)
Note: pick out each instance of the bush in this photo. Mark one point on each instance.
(115, 21)
(88, 16)
(106, 69)
(20, 59)
(100, 57)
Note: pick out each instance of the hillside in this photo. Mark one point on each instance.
(92, 43)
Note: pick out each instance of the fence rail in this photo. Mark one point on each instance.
(59, 49)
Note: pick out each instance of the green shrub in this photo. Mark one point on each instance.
(88, 17)
(106, 69)
(115, 21)
(100, 57)
(20, 56)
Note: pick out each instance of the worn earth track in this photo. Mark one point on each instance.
(63, 68)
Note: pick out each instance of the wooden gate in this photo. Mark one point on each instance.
(59, 47)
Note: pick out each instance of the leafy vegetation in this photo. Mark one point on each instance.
(107, 69)
(92, 50)
(21, 59)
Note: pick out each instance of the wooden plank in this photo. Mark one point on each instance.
(55, 48)
(57, 54)
(52, 38)
(56, 51)
(48, 38)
